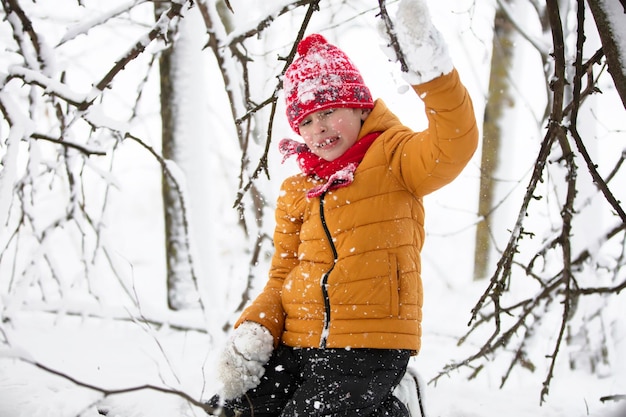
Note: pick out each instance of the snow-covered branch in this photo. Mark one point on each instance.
(86, 25)
(609, 19)
(50, 86)
(159, 30)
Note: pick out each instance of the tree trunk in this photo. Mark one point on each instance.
(180, 285)
(499, 98)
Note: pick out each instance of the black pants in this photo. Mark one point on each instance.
(325, 383)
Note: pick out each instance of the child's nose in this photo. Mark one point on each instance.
(319, 125)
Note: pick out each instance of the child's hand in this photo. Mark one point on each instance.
(241, 363)
(423, 48)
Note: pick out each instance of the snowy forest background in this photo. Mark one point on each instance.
(138, 173)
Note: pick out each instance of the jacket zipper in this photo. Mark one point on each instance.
(324, 280)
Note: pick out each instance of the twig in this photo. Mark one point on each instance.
(262, 165)
(12, 6)
(157, 30)
(617, 397)
(114, 391)
(87, 151)
(168, 173)
(563, 285)
(392, 36)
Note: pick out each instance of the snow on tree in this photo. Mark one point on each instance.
(82, 165)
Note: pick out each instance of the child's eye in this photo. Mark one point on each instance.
(329, 111)
(305, 122)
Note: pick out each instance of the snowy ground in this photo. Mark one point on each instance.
(120, 354)
(116, 354)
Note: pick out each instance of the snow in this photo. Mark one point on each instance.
(86, 24)
(50, 86)
(101, 344)
(423, 47)
(615, 13)
(240, 362)
(117, 354)
(9, 171)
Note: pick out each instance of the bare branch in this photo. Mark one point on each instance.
(267, 21)
(158, 30)
(392, 35)
(262, 165)
(518, 321)
(114, 391)
(84, 149)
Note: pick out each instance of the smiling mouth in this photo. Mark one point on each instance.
(327, 142)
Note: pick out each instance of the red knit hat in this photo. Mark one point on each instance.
(322, 77)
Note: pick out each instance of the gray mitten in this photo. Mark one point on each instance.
(423, 47)
(241, 363)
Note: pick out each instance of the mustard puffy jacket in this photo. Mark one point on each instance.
(346, 267)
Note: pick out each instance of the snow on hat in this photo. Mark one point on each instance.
(322, 77)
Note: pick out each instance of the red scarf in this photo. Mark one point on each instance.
(337, 173)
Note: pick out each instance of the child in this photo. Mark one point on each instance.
(332, 332)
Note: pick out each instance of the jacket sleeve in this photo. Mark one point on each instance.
(267, 308)
(428, 160)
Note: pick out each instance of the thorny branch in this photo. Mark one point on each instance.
(157, 31)
(12, 6)
(522, 318)
(272, 100)
(220, 44)
(513, 323)
(567, 209)
(392, 35)
(64, 107)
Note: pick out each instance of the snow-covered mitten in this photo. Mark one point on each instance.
(241, 363)
(423, 47)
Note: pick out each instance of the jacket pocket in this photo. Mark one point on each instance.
(394, 285)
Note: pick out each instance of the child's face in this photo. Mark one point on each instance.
(329, 133)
